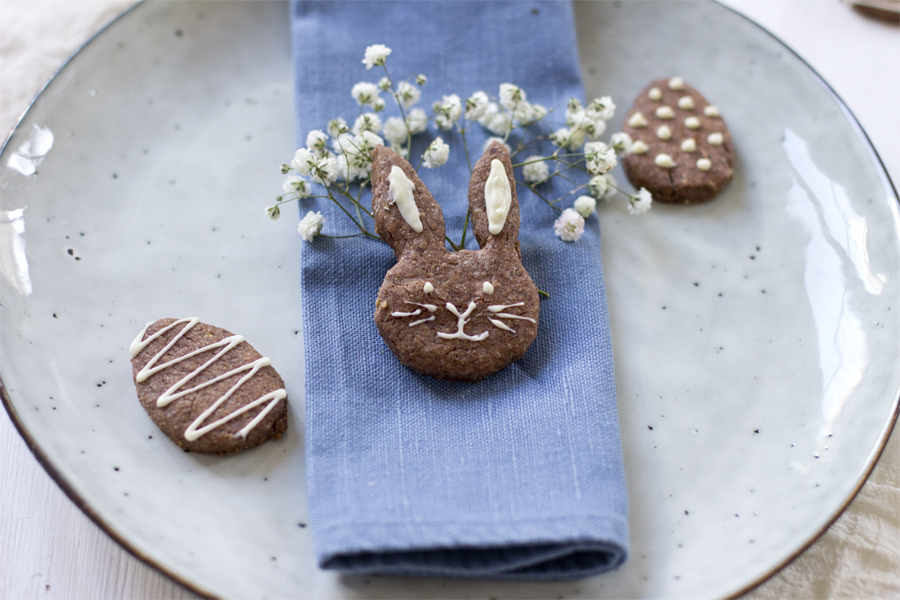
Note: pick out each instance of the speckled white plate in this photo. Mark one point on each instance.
(756, 338)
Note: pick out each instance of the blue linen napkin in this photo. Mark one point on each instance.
(519, 476)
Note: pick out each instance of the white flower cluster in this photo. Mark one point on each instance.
(602, 187)
(639, 202)
(368, 94)
(436, 154)
(569, 226)
(342, 153)
(501, 117)
(310, 226)
(535, 169)
(585, 206)
(447, 112)
(376, 55)
(345, 157)
(599, 158)
(584, 124)
(407, 95)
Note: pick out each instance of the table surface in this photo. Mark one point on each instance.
(51, 549)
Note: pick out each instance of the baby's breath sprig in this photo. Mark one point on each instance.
(336, 163)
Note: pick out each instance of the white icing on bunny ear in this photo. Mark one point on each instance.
(401, 189)
(497, 197)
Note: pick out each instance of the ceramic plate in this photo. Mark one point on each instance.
(756, 337)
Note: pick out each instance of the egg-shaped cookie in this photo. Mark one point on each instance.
(206, 388)
(681, 149)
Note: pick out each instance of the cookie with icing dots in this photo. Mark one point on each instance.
(681, 148)
(206, 388)
(453, 315)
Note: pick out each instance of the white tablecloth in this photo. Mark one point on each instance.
(49, 549)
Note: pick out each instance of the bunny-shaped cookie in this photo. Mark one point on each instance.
(453, 315)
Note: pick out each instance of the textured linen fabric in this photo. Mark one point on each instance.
(519, 476)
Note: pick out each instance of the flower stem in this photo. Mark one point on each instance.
(340, 237)
(462, 133)
(355, 222)
(354, 201)
(541, 196)
(462, 242)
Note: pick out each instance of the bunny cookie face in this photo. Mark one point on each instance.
(453, 315)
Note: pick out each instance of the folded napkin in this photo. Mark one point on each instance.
(516, 477)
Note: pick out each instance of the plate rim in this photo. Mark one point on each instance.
(73, 495)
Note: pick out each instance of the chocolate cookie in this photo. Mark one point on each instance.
(207, 388)
(681, 150)
(453, 315)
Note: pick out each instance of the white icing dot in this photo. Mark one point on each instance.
(639, 147)
(692, 123)
(711, 111)
(715, 139)
(665, 112)
(689, 145)
(655, 93)
(664, 160)
(637, 120)
(488, 288)
(663, 132)
(676, 83)
(428, 288)
(704, 164)
(686, 103)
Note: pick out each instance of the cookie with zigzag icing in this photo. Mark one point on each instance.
(206, 388)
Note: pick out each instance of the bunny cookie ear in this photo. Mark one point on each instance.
(493, 200)
(406, 215)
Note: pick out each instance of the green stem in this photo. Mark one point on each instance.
(462, 242)
(396, 94)
(356, 202)
(541, 196)
(346, 212)
(340, 237)
(531, 162)
(462, 133)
